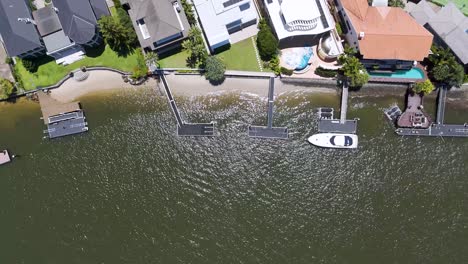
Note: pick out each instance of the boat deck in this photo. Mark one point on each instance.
(4, 157)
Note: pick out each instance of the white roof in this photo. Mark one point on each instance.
(296, 10)
(299, 10)
(214, 17)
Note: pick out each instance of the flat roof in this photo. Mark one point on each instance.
(56, 41)
(275, 9)
(214, 17)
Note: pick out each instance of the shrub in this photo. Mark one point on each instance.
(141, 70)
(273, 64)
(425, 87)
(338, 29)
(267, 43)
(214, 70)
(286, 71)
(6, 88)
(325, 72)
(189, 12)
(8, 60)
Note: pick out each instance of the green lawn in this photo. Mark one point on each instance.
(50, 73)
(240, 56)
(177, 60)
(461, 4)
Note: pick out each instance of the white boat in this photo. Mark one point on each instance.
(4, 157)
(333, 140)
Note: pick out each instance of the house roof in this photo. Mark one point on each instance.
(452, 26)
(389, 32)
(422, 12)
(160, 18)
(78, 18)
(47, 20)
(17, 36)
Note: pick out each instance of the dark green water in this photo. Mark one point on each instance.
(130, 191)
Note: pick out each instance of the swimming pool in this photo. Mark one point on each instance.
(297, 58)
(414, 73)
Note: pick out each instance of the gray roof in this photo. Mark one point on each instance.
(452, 27)
(78, 18)
(18, 37)
(47, 20)
(160, 19)
(56, 41)
(422, 12)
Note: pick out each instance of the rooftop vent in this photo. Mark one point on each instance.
(26, 20)
(361, 35)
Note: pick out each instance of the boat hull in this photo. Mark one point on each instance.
(333, 140)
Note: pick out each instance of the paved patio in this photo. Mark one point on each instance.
(414, 116)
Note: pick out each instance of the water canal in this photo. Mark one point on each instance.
(130, 191)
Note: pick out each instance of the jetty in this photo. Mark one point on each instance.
(61, 119)
(183, 128)
(269, 131)
(329, 124)
(437, 128)
(4, 157)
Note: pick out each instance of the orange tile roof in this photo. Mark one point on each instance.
(389, 32)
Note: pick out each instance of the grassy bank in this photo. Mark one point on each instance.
(239, 56)
(49, 72)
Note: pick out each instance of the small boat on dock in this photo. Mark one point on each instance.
(4, 157)
(334, 140)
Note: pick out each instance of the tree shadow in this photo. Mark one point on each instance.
(32, 65)
(170, 52)
(95, 51)
(222, 49)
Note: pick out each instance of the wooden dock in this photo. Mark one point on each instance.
(4, 157)
(269, 131)
(437, 129)
(328, 124)
(185, 129)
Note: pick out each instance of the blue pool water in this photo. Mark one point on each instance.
(297, 58)
(304, 59)
(414, 73)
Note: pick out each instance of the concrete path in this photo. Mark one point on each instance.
(5, 70)
(39, 3)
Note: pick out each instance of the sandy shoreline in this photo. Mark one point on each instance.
(185, 85)
(195, 85)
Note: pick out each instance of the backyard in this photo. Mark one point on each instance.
(240, 56)
(49, 72)
(461, 4)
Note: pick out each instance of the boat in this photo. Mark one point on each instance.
(4, 157)
(334, 140)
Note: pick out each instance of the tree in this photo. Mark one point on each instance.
(214, 70)
(267, 43)
(114, 33)
(396, 3)
(445, 68)
(151, 58)
(195, 47)
(30, 65)
(189, 12)
(6, 88)
(354, 71)
(425, 87)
